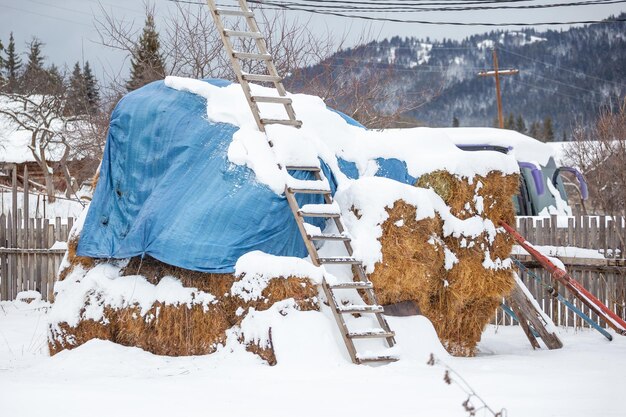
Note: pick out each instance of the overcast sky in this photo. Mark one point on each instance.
(67, 26)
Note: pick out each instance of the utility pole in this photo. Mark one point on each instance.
(497, 73)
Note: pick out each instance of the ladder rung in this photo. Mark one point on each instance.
(224, 12)
(365, 308)
(246, 55)
(286, 122)
(241, 34)
(261, 78)
(330, 236)
(368, 359)
(264, 99)
(309, 191)
(302, 168)
(358, 285)
(371, 334)
(339, 260)
(309, 214)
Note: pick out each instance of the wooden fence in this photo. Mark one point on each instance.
(604, 278)
(28, 259)
(606, 234)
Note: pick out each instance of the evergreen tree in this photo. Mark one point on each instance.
(455, 122)
(12, 65)
(2, 80)
(92, 93)
(53, 82)
(509, 122)
(147, 63)
(534, 131)
(564, 137)
(34, 79)
(520, 126)
(496, 122)
(76, 92)
(548, 130)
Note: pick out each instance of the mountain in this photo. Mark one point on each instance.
(565, 75)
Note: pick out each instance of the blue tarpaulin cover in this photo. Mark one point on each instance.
(168, 190)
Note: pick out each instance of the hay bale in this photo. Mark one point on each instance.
(183, 329)
(409, 260)
(72, 260)
(459, 300)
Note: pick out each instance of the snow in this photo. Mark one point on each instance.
(561, 251)
(16, 141)
(366, 228)
(525, 148)
(62, 207)
(84, 295)
(256, 269)
(561, 208)
(314, 375)
(325, 135)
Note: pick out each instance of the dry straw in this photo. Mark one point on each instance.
(460, 301)
(177, 330)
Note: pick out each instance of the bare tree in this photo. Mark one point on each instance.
(599, 151)
(42, 116)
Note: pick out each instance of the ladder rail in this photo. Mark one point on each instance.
(364, 287)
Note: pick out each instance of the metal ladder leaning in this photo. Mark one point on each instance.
(320, 186)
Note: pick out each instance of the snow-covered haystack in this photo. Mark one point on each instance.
(449, 258)
(173, 311)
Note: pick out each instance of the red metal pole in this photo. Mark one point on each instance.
(612, 319)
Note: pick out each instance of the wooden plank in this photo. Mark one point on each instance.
(570, 232)
(18, 244)
(553, 230)
(38, 244)
(593, 234)
(602, 235)
(57, 229)
(50, 263)
(10, 275)
(44, 261)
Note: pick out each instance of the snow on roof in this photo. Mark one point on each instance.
(326, 135)
(524, 147)
(14, 141)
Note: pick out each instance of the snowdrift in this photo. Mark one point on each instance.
(190, 201)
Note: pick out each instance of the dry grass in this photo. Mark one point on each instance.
(178, 330)
(85, 262)
(460, 301)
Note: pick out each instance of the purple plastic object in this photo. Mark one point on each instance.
(537, 176)
(584, 192)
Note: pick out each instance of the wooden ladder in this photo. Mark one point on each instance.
(320, 186)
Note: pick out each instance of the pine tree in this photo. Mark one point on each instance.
(534, 131)
(92, 93)
(2, 80)
(496, 122)
(34, 79)
(53, 81)
(455, 122)
(12, 65)
(548, 130)
(76, 97)
(509, 122)
(147, 63)
(520, 126)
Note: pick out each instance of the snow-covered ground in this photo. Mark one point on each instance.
(313, 378)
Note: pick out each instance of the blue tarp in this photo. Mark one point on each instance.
(167, 189)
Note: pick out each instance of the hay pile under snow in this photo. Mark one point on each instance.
(173, 311)
(441, 250)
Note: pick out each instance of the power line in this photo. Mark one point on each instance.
(387, 8)
(45, 15)
(561, 68)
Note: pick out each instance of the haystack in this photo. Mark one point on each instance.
(194, 327)
(456, 280)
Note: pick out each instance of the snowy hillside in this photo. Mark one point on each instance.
(559, 74)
